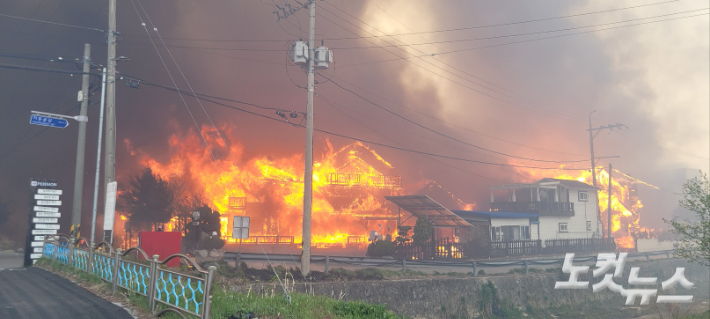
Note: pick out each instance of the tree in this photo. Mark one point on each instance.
(403, 234)
(694, 243)
(147, 199)
(422, 231)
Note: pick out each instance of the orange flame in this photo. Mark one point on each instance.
(348, 186)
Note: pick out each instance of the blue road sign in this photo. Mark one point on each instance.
(48, 121)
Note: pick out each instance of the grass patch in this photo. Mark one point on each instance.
(227, 304)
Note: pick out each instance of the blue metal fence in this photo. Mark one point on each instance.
(181, 293)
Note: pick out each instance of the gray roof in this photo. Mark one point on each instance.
(568, 182)
(423, 205)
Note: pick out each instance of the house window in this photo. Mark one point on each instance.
(583, 197)
(525, 232)
(497, 234)
(589, 225)
(563, 227)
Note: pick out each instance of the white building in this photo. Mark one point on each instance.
(565, 209)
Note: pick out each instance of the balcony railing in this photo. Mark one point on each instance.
(542, 208)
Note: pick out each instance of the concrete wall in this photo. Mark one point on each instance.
(424, 298)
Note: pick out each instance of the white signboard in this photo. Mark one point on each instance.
(46, 209)
(37, 249)
(44, 231)
(49, 202)
(41, 238)
(35, 256)
(45, 220)
(37, 244)
(49, 191)
(48, 214)
(47, 197)
(240, 227)
(46, 226)
(110, 207)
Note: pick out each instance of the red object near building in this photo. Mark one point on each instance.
(162, 244)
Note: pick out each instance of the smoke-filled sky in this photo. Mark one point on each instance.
(516, 77)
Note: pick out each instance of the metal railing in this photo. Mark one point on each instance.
(182, 293)
(542, 208)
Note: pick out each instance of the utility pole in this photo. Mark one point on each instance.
(591, 151)
(608, 214)
(98, 157)
(308, 179)
(110, 147)
(81, 145)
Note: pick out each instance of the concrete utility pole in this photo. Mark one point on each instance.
(98, 157)
(308, 182)
(591, 151)
(110, 150)
(81, 145)
(608, 214)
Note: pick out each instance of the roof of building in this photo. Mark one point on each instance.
(423, 205)
(567, 182)
(497, 214)
(547, 183)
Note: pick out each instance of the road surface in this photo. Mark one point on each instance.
(29, 293)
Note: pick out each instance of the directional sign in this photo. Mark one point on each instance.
(49, 191)
(44, 231)
(49, 202)
(48, 121)
(46, 209)
(47, 197)
(37, 244)
(38, 249)
(35, 256)
(45, 220)
(41, 238)
(48, 214)
(46, 226)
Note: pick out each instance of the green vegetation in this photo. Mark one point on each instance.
(492, 306)
(694, 241)
(422, 231)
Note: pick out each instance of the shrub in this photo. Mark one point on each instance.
(381, 248)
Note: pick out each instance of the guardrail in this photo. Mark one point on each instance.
(182, 293)
(383, 262)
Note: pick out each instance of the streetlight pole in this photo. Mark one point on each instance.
(98, 157)
(81, 145)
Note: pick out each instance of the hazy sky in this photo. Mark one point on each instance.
(482, 72)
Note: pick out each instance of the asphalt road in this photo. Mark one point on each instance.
(28, 293)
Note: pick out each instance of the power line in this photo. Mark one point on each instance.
(515, 34)
(207, 145)
(455, 125)
(444, 135)
(335, 106)
(420, 32)
(53, 23)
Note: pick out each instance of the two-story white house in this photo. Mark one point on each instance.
(565, 208)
